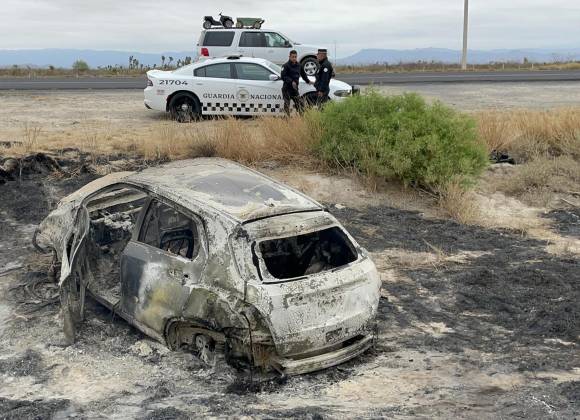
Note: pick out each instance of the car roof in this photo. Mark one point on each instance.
(231, 59)
(224, 187)
(239, 30)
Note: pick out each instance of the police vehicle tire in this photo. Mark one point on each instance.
(310, 65)
(309, 99)
(184, 107)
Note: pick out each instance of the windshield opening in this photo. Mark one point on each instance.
(275, 67)
(308, 254)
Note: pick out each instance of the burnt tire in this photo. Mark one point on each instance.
(310, 66)
(184, 108)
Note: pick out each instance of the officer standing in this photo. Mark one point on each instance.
(323, 75)
(291, 73)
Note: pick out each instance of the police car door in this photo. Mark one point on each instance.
(256, 93)
(215, 86)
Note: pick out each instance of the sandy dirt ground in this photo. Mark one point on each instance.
(477, 321)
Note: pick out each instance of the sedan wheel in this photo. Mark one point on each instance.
(184, 108)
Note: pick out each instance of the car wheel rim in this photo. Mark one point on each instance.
(184, 111)
(310, 68)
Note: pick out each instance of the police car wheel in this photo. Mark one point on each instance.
(184, 108)
(310, 99)
(310, 66)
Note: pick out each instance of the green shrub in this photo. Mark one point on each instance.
(80, 65)
(401, 137)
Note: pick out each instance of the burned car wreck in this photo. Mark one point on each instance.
(210, 256)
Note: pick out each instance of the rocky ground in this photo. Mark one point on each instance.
(474, 322)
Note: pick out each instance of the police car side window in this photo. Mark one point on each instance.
(253, 40)
(218, 71)
(249, 71)
(274, 40)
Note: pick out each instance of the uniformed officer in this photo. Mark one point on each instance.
(291, 73)
(323, 75)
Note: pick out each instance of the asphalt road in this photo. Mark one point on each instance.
(353, 79)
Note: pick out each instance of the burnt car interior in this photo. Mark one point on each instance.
(113, 216)
(307, 254)
(167, 229)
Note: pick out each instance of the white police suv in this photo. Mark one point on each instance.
(226, 86)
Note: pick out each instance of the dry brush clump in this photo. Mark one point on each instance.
(546, 144)
(527, 134)
(245, 141)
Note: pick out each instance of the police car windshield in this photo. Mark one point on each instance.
(275, 67)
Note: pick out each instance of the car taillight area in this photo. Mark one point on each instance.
(204, 52)
(307, 254)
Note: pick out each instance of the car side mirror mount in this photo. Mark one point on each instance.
(287, 44)
(274, 77)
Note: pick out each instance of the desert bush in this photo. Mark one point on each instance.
(80, 66)
(401, 137)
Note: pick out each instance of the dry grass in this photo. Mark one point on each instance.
(457, 203)
(250, 142)
(528, 135)
(30, 135)
(538, 181)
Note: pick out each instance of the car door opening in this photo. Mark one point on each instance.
(304, 255)
(113, 215)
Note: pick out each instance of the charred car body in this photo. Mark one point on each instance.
(211, 256)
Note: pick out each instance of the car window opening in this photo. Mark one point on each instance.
(167, 229)
(307, 254)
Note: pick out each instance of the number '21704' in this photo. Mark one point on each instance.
(173, 82)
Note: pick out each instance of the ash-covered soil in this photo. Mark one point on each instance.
(473, 323)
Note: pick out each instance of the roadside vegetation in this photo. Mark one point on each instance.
(434, 66)
(544, 144)
(427, 148)
(135, 68)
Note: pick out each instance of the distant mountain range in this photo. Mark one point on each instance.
(382, 56)
(96, 58)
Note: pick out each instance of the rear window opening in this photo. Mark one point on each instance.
(218, 39)
(308, 254)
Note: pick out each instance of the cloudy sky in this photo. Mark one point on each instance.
(154, 26)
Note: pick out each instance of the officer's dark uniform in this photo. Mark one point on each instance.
(291, 72)
(323, 76)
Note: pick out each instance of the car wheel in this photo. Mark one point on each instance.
(310, 66)
(310, 99)
(184, 108)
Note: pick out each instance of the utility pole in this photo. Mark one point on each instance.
(465, 27)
